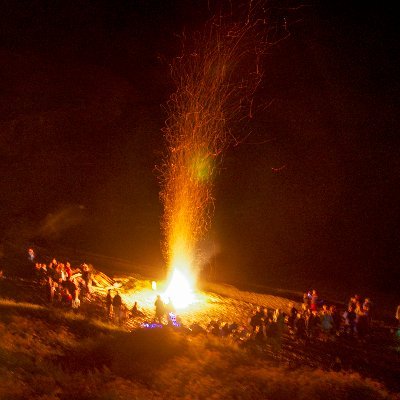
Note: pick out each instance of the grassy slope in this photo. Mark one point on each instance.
(51, 354)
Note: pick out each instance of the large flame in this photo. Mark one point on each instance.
(180, 286)
(179, 290)
(209, 94)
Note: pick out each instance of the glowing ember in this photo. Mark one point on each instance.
(216, 76)
(179, 290)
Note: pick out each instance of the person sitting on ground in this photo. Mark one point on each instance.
(66, 297)
(68, 269)
(70, 285)
(225, 330)
(169, 307)
(233, 327)
(214, 328)
(173, 320)
(196, 329)
(135, 312)
(313, 325)
(361, 323)
(260, 334)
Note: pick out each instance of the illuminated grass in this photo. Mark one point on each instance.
(74, 321)
(68, 357)
(24, 306)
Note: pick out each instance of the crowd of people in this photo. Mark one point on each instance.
(314, 319)
(117, 311)
(65, 286)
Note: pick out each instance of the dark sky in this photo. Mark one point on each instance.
(311, 194)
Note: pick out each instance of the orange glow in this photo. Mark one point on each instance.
(209, 95)
(179, 290)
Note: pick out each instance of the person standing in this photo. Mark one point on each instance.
(76, 303)
(398, 315)
(87, 279)
(160, 309)
(314, 301)
(109, 301)
(68, 269)
(117, 304)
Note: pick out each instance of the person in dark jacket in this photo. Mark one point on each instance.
(117, 305)
(109, 301)
(160, 309)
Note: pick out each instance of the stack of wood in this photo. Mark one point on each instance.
(101, 280)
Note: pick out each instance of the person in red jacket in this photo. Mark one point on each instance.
(314, 301)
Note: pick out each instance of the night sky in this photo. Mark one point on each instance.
(312, 194)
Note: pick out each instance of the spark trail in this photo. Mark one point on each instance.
(216, 77)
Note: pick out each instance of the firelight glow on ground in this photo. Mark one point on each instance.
(211, 302)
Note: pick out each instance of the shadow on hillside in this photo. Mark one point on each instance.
(135, 355)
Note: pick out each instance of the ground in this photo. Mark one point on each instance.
(51, 353)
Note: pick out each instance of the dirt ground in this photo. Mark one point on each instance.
(377, 357)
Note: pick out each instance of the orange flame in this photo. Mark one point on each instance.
(209, 94)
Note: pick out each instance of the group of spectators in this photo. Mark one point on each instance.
(117, 311)
(65, 286)
(313, 320)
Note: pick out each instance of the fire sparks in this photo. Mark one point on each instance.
(216, 77)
